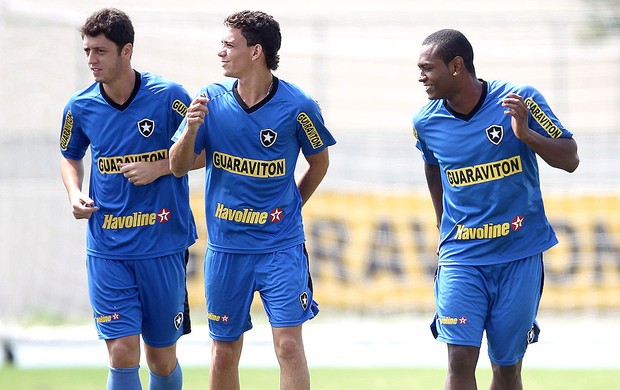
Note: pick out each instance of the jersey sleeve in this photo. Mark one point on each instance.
(427, 155)
(312, 134)
(73, 141)
(542, 119)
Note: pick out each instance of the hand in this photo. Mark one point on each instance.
(83, 206)
(516, 108)
(196, 114)
(140, 173)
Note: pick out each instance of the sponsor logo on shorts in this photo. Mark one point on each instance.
(178, 320)
(452, 320)
(217, 317)
(146, 127)
(135, 220)
(109, 165)
(304, 300)
(483, 173)
(488, 230)
(543, 120)
(108, 318)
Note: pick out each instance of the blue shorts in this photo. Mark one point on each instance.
(147, 297)
(282, 279)
(500, 299)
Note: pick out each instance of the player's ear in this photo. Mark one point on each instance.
(127, 50)
(257, 51)
(456, 66)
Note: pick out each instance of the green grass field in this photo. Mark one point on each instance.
(322, 379)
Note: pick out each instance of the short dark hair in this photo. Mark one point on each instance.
(259, 28)
(450, 44)
(112, 23)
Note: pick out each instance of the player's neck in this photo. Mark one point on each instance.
(466, 99)
(121, 88)
(254, 89)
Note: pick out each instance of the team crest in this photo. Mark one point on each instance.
(268, 137)
(303, 299)
(178, 320)
(495, 134)
(146, 127)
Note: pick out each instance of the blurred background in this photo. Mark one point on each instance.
(370, 227)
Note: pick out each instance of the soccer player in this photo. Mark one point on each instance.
(140, 224)
(480, 140)
(253, 128)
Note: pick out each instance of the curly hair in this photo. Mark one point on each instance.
(112, 23)
(259, 28)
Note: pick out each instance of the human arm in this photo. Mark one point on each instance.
(72, 173)
(433, 181)
(313, 175)
(182, 155)
(557, 152)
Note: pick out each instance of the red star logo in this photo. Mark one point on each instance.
(517, 223)
(116, 316)
(462, 320)
(276, 214)
(163, 215)
(224, 318)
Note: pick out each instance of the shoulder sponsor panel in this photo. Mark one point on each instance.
(67, 130)
(310, 130)
(543, 120)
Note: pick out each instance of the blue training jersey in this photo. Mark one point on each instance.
(252, 204)
(492, 204)
(132, 222)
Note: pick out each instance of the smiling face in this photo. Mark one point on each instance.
(103, 58)
(236, 55)
(434, 74)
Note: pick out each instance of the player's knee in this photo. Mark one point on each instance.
(462, 359)
(225, 354)
(123, 353)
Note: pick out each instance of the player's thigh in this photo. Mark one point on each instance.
(461, 302)
(512, 321)
(229, 291)
(161, 282)
(285, 286)
(114, 297)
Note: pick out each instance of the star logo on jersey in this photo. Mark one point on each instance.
(495, 134)
(463, 321)
(268, 137)
(224, 318)
(178, 320)
(163, 215)
(517, 223)
(116, 317)
(276, 215)
(303, 299)
(146, 127)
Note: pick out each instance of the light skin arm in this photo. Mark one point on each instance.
(182, 155)
(72, 173)
(313, 176)
(557, 152)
